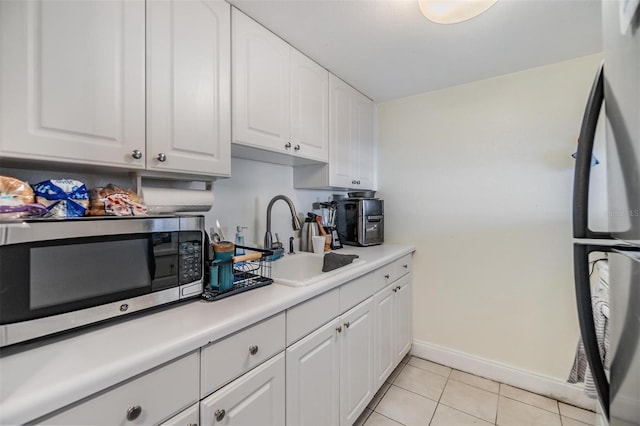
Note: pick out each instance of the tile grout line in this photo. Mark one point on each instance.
(535, 406)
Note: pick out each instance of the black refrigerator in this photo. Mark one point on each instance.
(617, 89)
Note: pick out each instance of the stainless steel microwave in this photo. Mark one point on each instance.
(56, 275)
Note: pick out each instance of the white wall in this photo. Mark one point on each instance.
(243, 199)
(479, 177)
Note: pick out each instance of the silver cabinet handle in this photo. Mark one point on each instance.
(287, 145)
(296, 148)
(405, 266)
(347, 324)
(219, 415)
(354, 182)
(395, 289)
(387, 276)
(134, 412)
(162, 157)
(339, 329)
(137, 154)
(398, 288)
(253, 349)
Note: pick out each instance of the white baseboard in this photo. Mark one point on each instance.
(543, 385)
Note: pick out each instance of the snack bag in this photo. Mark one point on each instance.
(62, 197)
(113, 200)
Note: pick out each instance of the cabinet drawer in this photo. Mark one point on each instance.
(158, 395)
(384, 276)
(302, 319)
(230, 357)
(403, 266)
(188, 417)
(355, 292)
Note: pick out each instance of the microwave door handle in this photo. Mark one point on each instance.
(151, 259)
(374, 218)
(582, 172)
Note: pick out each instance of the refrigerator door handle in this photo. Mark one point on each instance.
(583, 161)
(585, 319)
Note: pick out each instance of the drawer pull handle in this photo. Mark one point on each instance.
(405, 266)
(219, 414)
(339, 329)
(253, 349)
(347, 324)
(387, 276)
(134, 412)
(395, 289)
(398, 288)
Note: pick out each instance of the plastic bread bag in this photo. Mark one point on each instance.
(17, 200)
(113, 200)
(62, 197)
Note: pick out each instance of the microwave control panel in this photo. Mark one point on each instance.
(190, 260)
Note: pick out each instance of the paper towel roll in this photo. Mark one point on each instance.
(169, 200)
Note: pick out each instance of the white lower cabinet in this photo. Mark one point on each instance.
(256, 398)
(356, 361)
(145, 400)
(404, 317)
(188, 417)
(393, 327)
(330, 372)
(313, 378)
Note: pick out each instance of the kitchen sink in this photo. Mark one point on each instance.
(302, 269)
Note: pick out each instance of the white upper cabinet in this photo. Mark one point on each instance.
(350, 137)
(351, 143)
(260, 85)
(280, 97)
(73, 81)
(188, 86)
(75, 84)
(309, 108)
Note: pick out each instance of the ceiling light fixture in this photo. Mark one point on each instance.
(453, 11)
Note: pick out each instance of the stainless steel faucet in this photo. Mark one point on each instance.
(295, 222)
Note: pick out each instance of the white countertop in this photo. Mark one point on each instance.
(37, 378)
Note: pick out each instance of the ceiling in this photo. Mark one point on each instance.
(387, 49)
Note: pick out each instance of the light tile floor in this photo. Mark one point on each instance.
(420, 392)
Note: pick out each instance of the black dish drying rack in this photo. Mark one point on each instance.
(247, 274)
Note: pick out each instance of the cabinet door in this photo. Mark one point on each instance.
(356, 361)
(313, 378)
(257, 398)
(384, 357)
(188, 417)
(260, 85)
(362, 142)
(73, 83)
(340, 150)
(309, 108)
(404, 317)
(188, 81)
